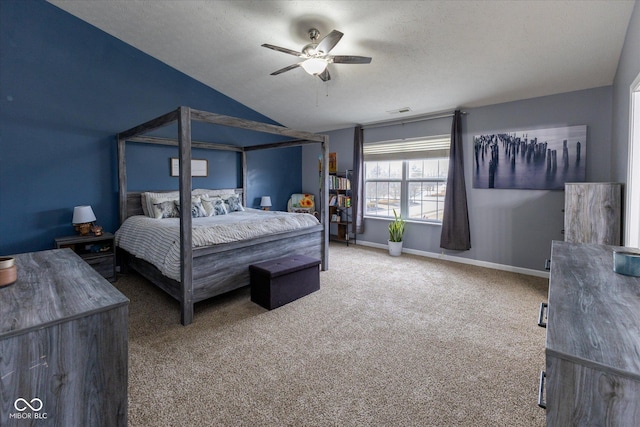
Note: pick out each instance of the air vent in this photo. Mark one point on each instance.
(399, 110)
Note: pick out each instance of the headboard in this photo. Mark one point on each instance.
(134, 203)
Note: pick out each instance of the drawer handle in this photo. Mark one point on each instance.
(541, 402)
(543, 315)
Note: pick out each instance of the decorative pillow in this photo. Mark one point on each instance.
(213, 205)
(234, 204)
(147, 203)
(197, 210)
(164, 208)
(301, 203)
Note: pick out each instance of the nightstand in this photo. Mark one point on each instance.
(98, 251)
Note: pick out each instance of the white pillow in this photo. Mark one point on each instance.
(147, 204)
(163, 207)
(224, 193)
(213, 205)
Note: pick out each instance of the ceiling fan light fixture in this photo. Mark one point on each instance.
(314, 66)
(315, 55)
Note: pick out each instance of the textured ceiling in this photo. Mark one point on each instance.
(428, 56)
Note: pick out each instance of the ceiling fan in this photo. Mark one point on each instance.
(316, 55)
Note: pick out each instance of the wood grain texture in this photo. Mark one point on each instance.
(150, 125)
(122, 179)
(587, 396)
(186, 237)
(593, 213)
(155, 140)
(593, 339)
(324, 206)
(594, 313)
(64, 340)
(283, 144)
(60, 285)
(205, 116)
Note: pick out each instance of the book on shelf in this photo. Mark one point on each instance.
(340, 200)
(339, 183)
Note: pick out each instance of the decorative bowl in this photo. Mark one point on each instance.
(8, 275)
(6, 262)
(627, 263)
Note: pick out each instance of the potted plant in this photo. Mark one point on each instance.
(396, 230)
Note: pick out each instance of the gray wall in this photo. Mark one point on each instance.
(509, 227)
(628, 70)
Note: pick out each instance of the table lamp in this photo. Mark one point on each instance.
(265, 203)
(83, 216)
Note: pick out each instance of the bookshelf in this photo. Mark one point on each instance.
(340, 209)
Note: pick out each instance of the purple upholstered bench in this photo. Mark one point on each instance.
(277, 282)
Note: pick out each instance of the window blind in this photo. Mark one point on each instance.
(419, 148)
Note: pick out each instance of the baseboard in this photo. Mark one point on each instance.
(495, 266)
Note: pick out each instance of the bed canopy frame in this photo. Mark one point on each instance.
(184, 117)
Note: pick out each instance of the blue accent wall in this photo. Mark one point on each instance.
(66, 89)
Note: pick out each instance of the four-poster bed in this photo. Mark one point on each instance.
(212, 270)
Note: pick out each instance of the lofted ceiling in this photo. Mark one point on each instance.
(428, 56)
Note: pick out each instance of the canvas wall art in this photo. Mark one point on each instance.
(535, 159)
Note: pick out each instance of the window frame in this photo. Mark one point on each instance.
(405, 180)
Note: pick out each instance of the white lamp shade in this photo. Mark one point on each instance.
(83, 214)
(265, 202)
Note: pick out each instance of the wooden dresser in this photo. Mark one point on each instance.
(593, 212)
(63, 345)
(593, 340)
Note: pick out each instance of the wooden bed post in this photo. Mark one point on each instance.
(186, 238)
(324, 195)
(122, 179)
(244, 178)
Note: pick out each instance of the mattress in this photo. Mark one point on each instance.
(157, 241)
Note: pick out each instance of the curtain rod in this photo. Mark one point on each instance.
(421, 118)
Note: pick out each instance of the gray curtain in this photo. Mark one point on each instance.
(357, 189)
(455, 222)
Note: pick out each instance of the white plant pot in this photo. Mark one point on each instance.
(395, 248)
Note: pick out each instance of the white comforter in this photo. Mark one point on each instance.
(158, 240)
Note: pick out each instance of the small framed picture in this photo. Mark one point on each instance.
(334, 218)
(199, 167)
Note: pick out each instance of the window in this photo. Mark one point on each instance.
(408, 176)
(632, 229)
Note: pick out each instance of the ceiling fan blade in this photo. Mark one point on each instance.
(325, 76)
(329, 41)
(284, 50)
(282, 70)
(350, 59)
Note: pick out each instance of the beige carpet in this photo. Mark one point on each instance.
(406, 341)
